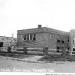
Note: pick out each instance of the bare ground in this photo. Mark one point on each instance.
(17, 64)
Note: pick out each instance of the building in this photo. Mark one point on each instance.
(37, 39)
(6, 41)
(72, 42)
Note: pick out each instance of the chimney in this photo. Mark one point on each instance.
(39, 26)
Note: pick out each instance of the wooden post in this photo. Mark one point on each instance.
(25, 50)
(45, 51)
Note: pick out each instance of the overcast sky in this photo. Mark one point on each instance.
(24, 14)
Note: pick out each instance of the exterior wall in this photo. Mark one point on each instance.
(53, 43)
(41, 40)
(45, 38)
(72, 41)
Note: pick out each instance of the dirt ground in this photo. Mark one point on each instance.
(13, 64)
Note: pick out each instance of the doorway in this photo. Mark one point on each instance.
(1, 44)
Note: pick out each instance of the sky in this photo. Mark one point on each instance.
(24, 14)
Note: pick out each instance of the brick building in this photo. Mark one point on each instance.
(37, 38)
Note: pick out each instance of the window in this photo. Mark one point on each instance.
(68, 39)
(1, 44)
(34, 37)
(62, 41)
(30, 37)
(73, 52)
(73, 49)
(68, 48)
(57, 47)
(58, 40)
(57, 50)
(25, 37)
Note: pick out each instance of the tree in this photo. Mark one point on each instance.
(9, 49)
